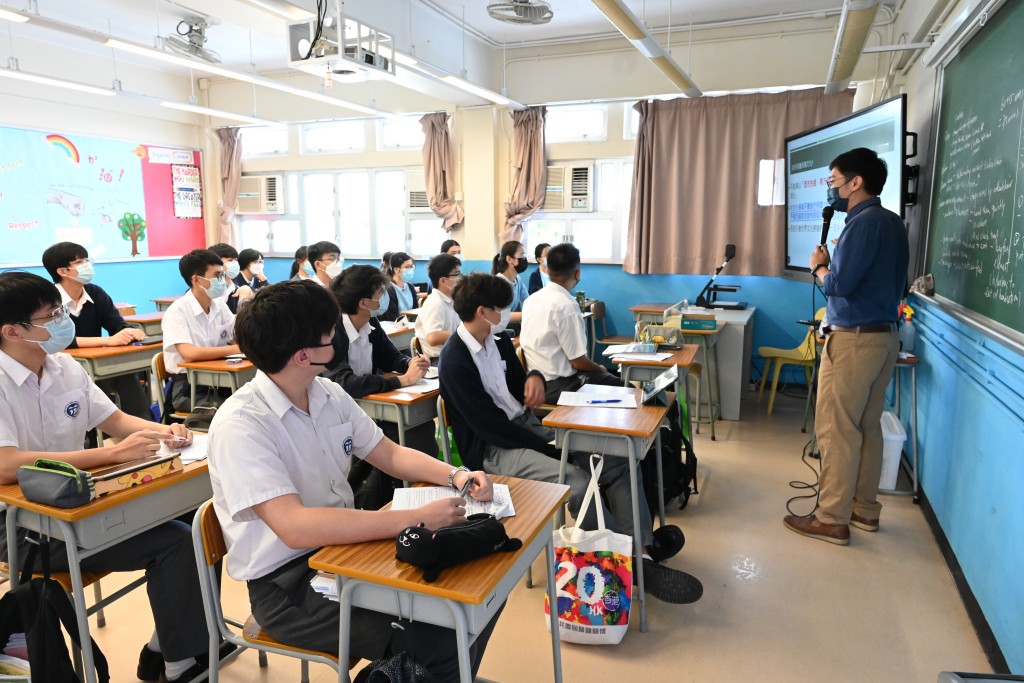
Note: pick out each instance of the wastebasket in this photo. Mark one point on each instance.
(893, 436)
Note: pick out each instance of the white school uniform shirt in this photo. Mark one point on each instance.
(360, 352)
(185, 322)
(263, 447)
(492, 371)
(436, 315)
(51, 413)
(553, 331)
(74, 307)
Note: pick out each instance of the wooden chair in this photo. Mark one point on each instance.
(599, 314)
(544, 408)
(415, 349)
(162, 376)
(210, 548)
(442, 425)
(803, 355)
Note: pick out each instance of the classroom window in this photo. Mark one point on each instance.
(575, 123)
(354, 213)
(630, 121)
(402, 133)
(334, 136)
(264, 141)
(771, 182)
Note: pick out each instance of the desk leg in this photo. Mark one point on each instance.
(78, 598)
(345, 590)
(556, 638)
(192, 388)
(913, 428)
(638, 550)
(661, 481)
(461, 641)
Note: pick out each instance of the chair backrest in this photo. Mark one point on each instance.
(810, 344)
(209, 548)
(414, 347)
(521, 354)
(442, 425)
(160, 373)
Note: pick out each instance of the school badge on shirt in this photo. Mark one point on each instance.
(73, 409)
(348, 446)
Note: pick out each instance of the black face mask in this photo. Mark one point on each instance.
(328, 363)
(522, 264)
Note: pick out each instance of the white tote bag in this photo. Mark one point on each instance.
(594, 576)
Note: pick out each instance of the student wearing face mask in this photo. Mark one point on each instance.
(509, 264)
(199, 325)
(365, 358)
(93, 311)
(251, 273)
(325, 257)
(437, 319)
(539, 278)
(401, 291)
(234, 294)
(301, 269)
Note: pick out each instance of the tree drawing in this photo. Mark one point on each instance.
(133, 228)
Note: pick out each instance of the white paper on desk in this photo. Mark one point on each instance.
(423, 386)
(593, 399)
(325, 585)
(391, 327)
(431, 373)
(415, 497)
(235, 356)
(640, 357)
(193, 453)
(614, 349)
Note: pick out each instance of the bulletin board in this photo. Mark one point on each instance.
(120, 199)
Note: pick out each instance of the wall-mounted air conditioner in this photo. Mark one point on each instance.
(416, 192)
(569, 188)
(260, 194)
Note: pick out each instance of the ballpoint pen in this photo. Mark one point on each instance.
(605, 400)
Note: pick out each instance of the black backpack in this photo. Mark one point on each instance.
(679, 476)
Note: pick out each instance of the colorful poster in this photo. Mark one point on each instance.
(188, 191)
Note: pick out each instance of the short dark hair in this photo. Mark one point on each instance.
(385, 258)
(224, 250)
(247, 256)
(396, 261)
(22, 294)
(282, 319)
(865, 163)
(563, 260)
(441, 266)
(539, 250)
(61, 255)
(448, 244)
(315, 252)
(480, 289)
(196, 262)
(354, 284)
(510, 248)
(300, 255)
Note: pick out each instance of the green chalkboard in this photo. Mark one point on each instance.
(975, 245)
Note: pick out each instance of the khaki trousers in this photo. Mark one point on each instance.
(855, 371)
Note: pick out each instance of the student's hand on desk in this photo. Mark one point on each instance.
(443, 512)
(126, 336)
(480, 487)
(418, 367)
(533, 394)
(178, 429)
(138, 445)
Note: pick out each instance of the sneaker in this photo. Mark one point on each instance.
(809, 526)
(668, 541)
(670, 585)
(194, 672)
(863, 522)
(151, 665)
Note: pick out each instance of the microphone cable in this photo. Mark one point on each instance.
(812, 487)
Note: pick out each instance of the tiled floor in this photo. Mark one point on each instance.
(776, 606)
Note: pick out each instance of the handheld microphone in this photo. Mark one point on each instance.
(826, 220)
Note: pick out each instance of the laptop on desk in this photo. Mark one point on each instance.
(653, 392)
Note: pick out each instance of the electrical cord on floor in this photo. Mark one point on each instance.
(808, 452)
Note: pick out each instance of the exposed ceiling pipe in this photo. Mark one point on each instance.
(852, 34)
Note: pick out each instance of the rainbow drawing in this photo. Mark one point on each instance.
(62, 143)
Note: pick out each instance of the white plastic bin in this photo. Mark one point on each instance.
(894, 436)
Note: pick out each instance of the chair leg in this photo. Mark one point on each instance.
(775, 384)
(263, 659)
(764, 376)
(529, 576)
(97, 593)
(305, 671)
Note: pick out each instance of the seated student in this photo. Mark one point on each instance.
(488, 393)
(325, 257)
(251, 274)
(198, 326)
(280, 452)
(92, 310)
(401, 290)
(47, 403)
(554, 337)
(301, 270)
(385, 262)
(437, 319)
(234, 294)
(451, 247)
(363, 352)
(509, 264)
(539, 278)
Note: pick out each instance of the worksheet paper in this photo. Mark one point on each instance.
(414, 497)
(193, 453)
(592, 399)
(423, 386)
(640, 357)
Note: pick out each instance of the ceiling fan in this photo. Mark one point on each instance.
(191, 39)
(528, 12)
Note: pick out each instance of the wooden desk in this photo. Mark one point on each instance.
(401, 337)
(149, 323)
(708, 339)
(646, 370)
(622, 432)
(411, 314)
(404, 409)
(650, 311)
(124, 308)
(218, 373)
(466, 597)
(164, 302)
(104, 522)
(102, 362)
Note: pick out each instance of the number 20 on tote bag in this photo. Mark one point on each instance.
(594, 577)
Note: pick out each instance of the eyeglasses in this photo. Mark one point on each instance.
(58, 315)
(219, 276)
(454, 276)
(80, 262)
(829, 181)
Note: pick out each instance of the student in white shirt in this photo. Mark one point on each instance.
(554, 337)
(280, 451)
(437, 319)
(325, 257)
(47, 403)
(198, 326)
(509, 264)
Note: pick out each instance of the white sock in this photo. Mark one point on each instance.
(173, 670)
(154, 643)
(647, 557)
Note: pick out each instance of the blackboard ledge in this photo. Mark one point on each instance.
(1007, 336)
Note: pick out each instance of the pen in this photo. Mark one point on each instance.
(606, 400)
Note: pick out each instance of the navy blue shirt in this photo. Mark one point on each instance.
(868, 273)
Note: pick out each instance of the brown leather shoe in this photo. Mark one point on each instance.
(863, 522)
(811, 527)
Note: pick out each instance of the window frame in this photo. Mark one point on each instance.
(599, 107)
(381, 147)
(307, 127)
(263, 155)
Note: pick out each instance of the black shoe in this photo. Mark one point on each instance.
(668, 541)
(671, 585)
(226, 648)
(194, 672)
(151, 665)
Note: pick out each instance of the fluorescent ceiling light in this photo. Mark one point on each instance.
(635, 32)
(475, 89)
(231, 116)
(280, 8)
(11, 15)
(57, 82)
(425, 69)
(854, 26)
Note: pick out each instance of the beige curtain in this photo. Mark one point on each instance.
(439, 170)
(695, 179)
(529, 169)
(230, 178)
